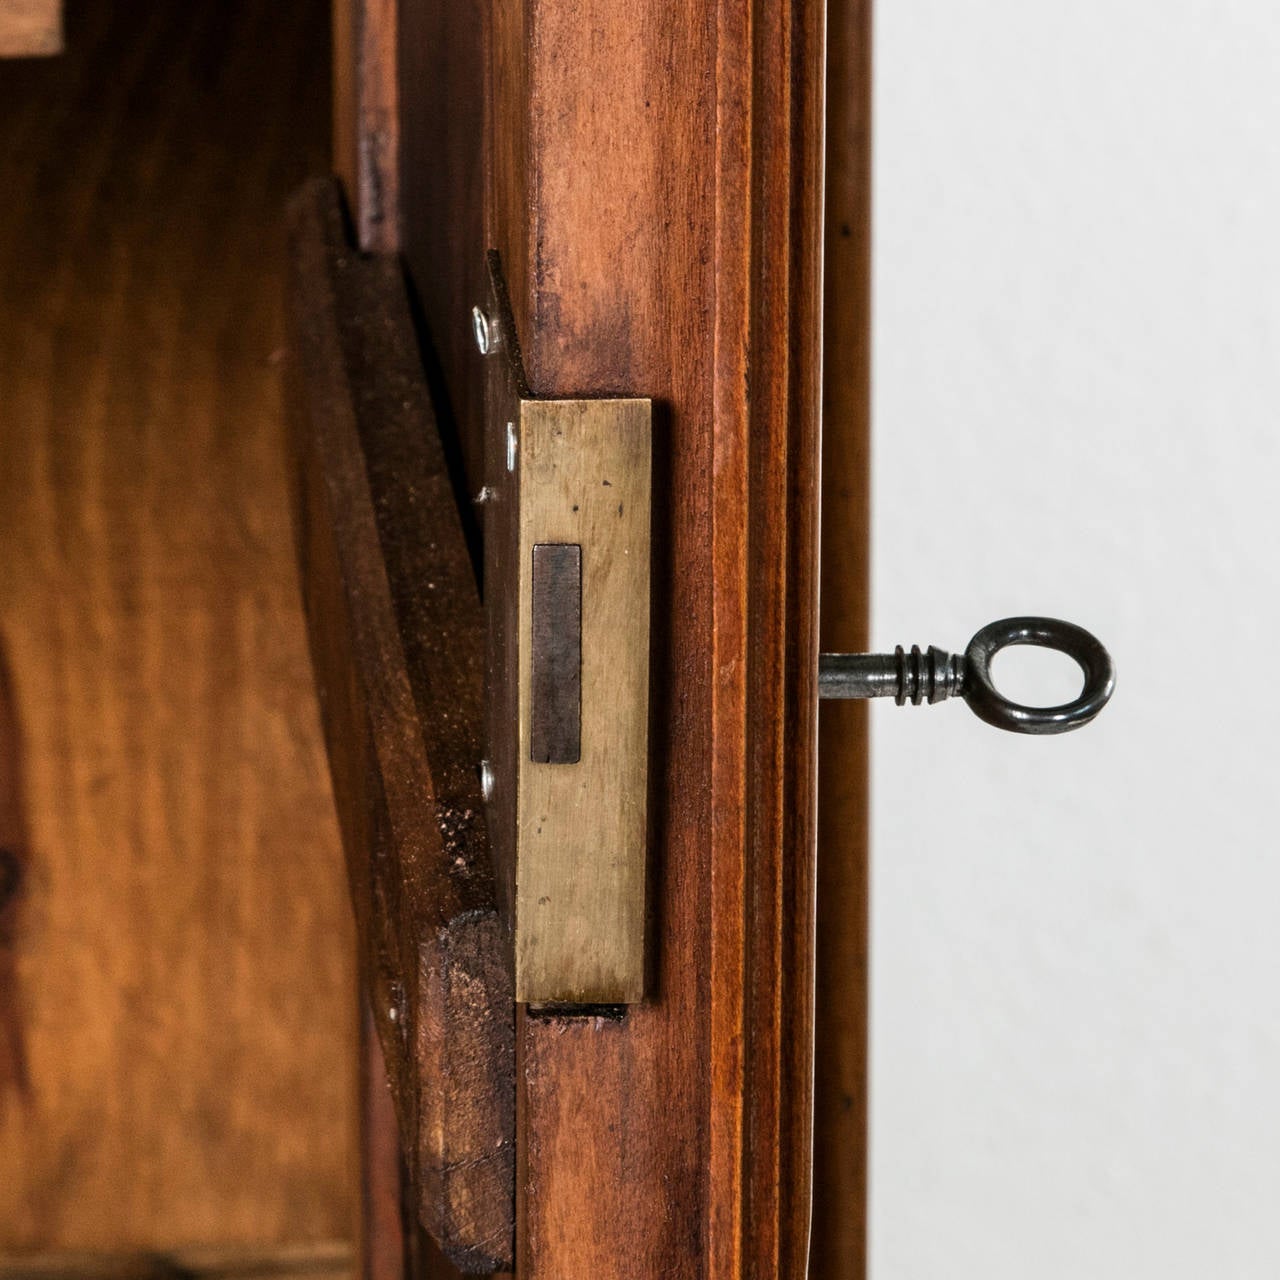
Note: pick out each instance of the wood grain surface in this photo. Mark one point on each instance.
(840, 1087)
(381, 1237)
(397, 641)
(656, 198)
(30, 27)
(366, 117)
(182, 936)
(445, 120)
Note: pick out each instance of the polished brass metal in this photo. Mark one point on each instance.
(567, 555)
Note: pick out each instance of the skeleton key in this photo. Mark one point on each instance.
(934, 675)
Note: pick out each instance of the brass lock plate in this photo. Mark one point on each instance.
(567, 577)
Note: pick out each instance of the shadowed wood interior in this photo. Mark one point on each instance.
(332, 1261)
(184, 975)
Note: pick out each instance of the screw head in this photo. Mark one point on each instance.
(486, 779)
(484, 330)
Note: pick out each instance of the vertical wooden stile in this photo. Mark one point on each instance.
(839, 1235)
(656, 199)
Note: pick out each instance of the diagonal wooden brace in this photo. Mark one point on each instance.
(397, 643)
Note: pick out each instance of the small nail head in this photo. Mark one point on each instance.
(482, 327)
(486, 779)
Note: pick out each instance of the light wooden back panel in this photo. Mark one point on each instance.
(183, 997)
(30, 28)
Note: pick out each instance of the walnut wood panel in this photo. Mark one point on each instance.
(182, 936)
(656, 198)
(30, 27)
(840, 1086)
(398, 647)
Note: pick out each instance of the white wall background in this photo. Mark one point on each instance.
(1076, 941)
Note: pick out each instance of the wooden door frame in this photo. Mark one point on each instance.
(652, 175)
